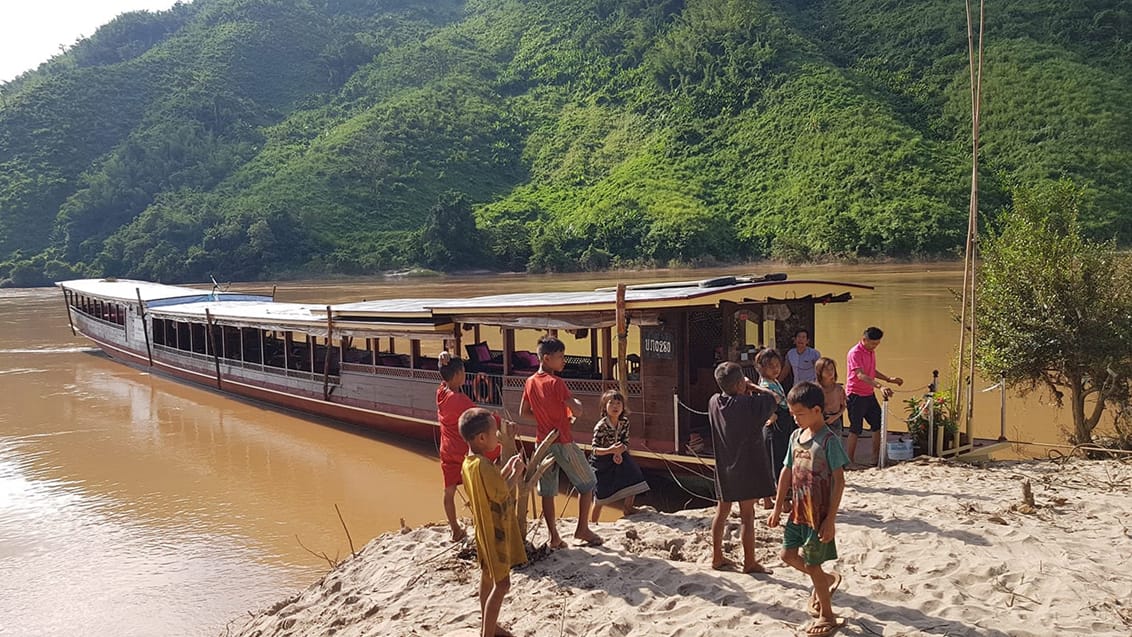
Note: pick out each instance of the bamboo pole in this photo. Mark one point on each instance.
(964, 395)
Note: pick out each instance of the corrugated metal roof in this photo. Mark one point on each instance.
(431, 314)
(649, 297)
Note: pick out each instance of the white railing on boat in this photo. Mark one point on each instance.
(235, 362)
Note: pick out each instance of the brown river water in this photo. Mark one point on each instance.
(131, 504)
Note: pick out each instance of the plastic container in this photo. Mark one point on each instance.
(900, 449)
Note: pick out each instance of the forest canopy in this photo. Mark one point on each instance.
(266, 138)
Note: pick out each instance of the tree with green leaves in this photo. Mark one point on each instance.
(450, 239)
(1055, 307)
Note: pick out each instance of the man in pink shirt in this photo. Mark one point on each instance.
(861, 379)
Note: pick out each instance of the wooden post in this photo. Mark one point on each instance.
(145, 328)
(622, 342)
(508, 350)
(67, 302)
(212, 342)
(326, 357)
(606, 353)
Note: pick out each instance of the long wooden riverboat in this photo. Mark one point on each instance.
(374, 363)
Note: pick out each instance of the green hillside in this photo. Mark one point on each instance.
(264, 138)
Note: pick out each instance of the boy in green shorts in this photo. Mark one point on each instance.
(814, 471)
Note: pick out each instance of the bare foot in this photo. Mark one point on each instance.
(556, 543)
(631, 511)
(756, 568)
(768, 504)
(724, 565)
(503, 632)
(458, 536)
(588, 538)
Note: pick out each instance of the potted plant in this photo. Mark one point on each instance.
(918, 409)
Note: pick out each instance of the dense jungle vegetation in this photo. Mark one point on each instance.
(266, 138)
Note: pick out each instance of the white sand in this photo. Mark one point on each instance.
(927, 548)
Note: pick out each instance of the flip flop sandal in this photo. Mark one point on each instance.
(823, 628)
(815, 606)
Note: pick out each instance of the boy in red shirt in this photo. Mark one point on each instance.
(451, 402)
(546, 397)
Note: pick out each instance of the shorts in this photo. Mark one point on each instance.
(863, 408)
(453, 473)
(573, 462)
(814, 551)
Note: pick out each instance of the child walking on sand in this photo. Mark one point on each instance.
(779, 425)
(835, 403)
(742, 469)
(618, 476)
(499, 542)
(815, 472)
(546, 397)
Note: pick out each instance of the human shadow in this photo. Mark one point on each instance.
(881, 613)
(896, 491)
(896, 526)
(657, 578)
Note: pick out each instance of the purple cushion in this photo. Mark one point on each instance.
(480, 352)
(533, 358)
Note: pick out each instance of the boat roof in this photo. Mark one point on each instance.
(152, 294)
(301, 317)
(419, 316)
(648, 297)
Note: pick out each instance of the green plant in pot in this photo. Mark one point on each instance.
(917, 419)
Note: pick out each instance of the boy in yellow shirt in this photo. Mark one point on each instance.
(499, 541)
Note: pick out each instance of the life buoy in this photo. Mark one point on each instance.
(482, 387)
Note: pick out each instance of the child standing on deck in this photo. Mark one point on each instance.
(546, 397)
(499, 542)
(779, 425)
(618, 476)
(742, 469)
(815, 472)
(835, 403)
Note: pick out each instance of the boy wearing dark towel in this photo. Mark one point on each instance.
(742, 468)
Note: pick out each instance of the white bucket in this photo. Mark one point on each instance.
(900, 450)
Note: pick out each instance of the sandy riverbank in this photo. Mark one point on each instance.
(927, 548)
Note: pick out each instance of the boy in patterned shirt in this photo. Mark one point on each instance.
(814, 471)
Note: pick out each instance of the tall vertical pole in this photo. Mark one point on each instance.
(211, 344)
(326, 356)
(145, 328)
(965, 371)
(67, 302)
(622, 342)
